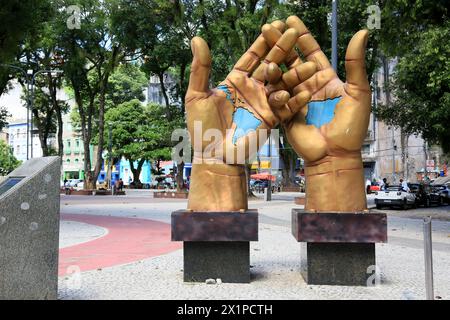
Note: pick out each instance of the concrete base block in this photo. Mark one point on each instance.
(345, 264)
(229, 261)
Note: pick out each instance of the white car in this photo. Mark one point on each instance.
(79, 185)
(395, 196)
(74, 182)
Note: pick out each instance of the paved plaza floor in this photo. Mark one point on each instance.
(120, 248)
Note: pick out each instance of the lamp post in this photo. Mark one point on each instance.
(30, 77)
(334, 34)
(110, 154)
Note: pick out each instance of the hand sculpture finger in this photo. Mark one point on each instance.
(355, 65)
(299, 74)
(278, 99)
(272, 33)
(286, 111)
(200, 69)
(307, 44)
(251, 59)
(278, 53)
(273, 73)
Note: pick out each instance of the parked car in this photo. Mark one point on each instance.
(79, 185)
(260, 185)
(444, 191)
(395, 196)
(374, 188)
(74, 182)
(426, 195)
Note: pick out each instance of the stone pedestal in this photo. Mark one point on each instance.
(338, 248)
(29, 230)
(216, 244)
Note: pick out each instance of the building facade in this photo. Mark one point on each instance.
(17, 140)
(388, 152)
(73, 156)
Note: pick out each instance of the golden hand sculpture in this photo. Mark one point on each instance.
(329, 131)
(228, 124)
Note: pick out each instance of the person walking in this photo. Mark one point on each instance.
(67, 186)
(404, 185)
(384, 184)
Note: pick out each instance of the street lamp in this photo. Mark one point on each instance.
(334, 34)
(29, 73)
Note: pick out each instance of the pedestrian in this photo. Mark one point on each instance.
(404, 185)
(67, 186)
(384, 184)
(120, 184)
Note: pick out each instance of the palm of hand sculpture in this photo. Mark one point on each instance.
(329, 132)
(233, 116)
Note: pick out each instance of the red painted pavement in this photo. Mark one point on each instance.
(128, 240)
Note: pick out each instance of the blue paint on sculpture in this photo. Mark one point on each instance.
(245, 122)
(227, 91)
(321, 112)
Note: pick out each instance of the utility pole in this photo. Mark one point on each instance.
(269, 181)
(388, 102)
(425, 152)
(110, 154)
(334, 33)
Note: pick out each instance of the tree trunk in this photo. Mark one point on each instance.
(164, 92)
(179, 177)
(136, 171)
(43, 129)
(182, 87)
(248, 168)
(288, 171)
(101, 129)
(58, 111)
(85, 131)
(404, 150)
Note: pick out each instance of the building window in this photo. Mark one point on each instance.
(18, 149)
(365, 148)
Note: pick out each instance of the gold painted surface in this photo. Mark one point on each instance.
(334, 170)
(255, 83)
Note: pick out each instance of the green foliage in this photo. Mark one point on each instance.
(421, 84)
(4, 114)
(7, 160)
(352, 17)
(128, 82)
(140, 132)
(19, 19)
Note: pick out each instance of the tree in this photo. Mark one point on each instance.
(7, 160)
(91, 55)
(4, 114)
(416, 35)
(140, 133)
(18, 20)
(128, 82)
(421, 84)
